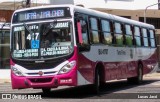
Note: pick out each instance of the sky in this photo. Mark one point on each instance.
(134, 4)
(41, 1)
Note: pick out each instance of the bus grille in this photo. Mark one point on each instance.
(40, 80)
(45, 73)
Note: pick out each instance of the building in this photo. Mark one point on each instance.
(7, 8)
(5, 18)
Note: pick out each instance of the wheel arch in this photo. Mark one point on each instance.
(101, 70)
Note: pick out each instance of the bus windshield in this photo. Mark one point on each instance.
(42, 40)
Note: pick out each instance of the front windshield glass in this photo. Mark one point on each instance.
(42, 40)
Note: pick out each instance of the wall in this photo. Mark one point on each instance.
(56, 2)
(5, 15)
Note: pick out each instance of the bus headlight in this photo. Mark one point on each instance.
(67, 67)
(16, 71)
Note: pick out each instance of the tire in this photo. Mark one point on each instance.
(46, 90)
(96, 87)
(139, 78)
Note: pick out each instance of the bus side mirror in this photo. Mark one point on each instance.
(79, 33)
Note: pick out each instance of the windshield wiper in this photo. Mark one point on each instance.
(25, 25)
(50, 27)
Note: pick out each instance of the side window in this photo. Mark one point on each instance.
(84, 31)
(145, 37)
(118, 34)
(118, 29)
(94, 30)
(152, 38)
(137, 36)
(106, 32)
(128, 35)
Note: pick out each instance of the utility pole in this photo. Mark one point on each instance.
(158, 5)
(146, 10)
(28, 3)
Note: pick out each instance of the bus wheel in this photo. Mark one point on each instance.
(139, 78)
(46, 90)
(97, 82)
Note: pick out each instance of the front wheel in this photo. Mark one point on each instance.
(96, 82)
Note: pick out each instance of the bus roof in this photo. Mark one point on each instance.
(112, 17)
(95, 13)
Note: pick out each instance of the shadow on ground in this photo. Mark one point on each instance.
(86, 91)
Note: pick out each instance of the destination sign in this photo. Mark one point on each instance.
(57, 50)
(38, 14)
(41, 14)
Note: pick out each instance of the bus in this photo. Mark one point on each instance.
(4, 47)
(67, 45)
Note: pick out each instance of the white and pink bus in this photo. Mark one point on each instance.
(66, 45)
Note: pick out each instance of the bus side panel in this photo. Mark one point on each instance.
(122, 66)
(132, 69)
(150, 64)
(85, 70)
(154, 59)
(115, 70)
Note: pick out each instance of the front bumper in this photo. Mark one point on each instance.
(19, 82)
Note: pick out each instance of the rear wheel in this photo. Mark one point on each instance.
(46, 90)
(139, 78)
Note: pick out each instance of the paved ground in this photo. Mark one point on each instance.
(115, 91)
(5, 81)
(153, 75)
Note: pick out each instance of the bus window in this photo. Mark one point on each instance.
(137, 36)
(129, 38)
(19, 36)
(152, 38)
(94, 30)
(118, 34)
(145, 37)
(106, 32)
(84, 31)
